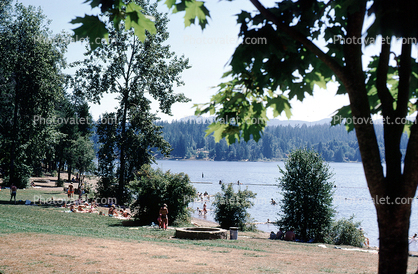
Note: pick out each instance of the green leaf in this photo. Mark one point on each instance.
(279, 104)
(343, 113)
(319, 80)
(170, 3)
(91, 28)
(94, 3)
(136, 20)
(196, 9)
(217, 129)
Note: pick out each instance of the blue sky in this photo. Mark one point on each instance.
(208, 51)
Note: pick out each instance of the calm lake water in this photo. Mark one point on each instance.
(351, 194)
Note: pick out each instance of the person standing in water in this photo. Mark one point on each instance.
(205, 209)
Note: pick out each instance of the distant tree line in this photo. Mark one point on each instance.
(188, 141)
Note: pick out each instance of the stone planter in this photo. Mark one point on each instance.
(201, 233)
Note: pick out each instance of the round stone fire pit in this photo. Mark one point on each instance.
(201, 233)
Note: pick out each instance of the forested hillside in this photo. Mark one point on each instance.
(188, 141)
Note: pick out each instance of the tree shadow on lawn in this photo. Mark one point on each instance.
(22, 202)
(127, 223)
(5, 202)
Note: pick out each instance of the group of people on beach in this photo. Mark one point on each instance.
(78, 206)
(203, 211)
(82, 208)
(113, 212)
(93, 208)
(280, 235)
(203, 196)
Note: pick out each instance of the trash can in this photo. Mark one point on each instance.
(233, 233)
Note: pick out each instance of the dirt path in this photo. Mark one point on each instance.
(49, 182)
(39, 253)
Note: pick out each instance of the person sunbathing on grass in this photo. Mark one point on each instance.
(280, 234)
(290, 235)
(72, 208)
(124, 213)
(112, 211)
(92, 209)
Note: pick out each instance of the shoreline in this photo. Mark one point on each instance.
(246, 160)
(203, 223)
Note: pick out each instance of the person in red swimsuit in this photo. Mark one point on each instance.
(164, 216)
(70, 190)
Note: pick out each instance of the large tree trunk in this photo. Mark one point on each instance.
(122, 160)
(391, 192)
(393, 222)
(69, 173)
(125, 105)
(59, 170)
(15, 133)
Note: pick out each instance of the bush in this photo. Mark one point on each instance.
(38, 171)
(231, 208)
(345, 232)
(54, 173)
(106, 187)
(59, 183)
(307, 195)
(21, 178)
(153, 188)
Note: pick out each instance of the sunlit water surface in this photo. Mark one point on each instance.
(351, 195)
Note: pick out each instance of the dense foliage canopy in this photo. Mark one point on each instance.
(307, 192)
(231, 207)
(135, 71)
(31, 83)
(153, 188)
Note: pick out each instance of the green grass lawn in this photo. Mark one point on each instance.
(51, 219)
(33, 194)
